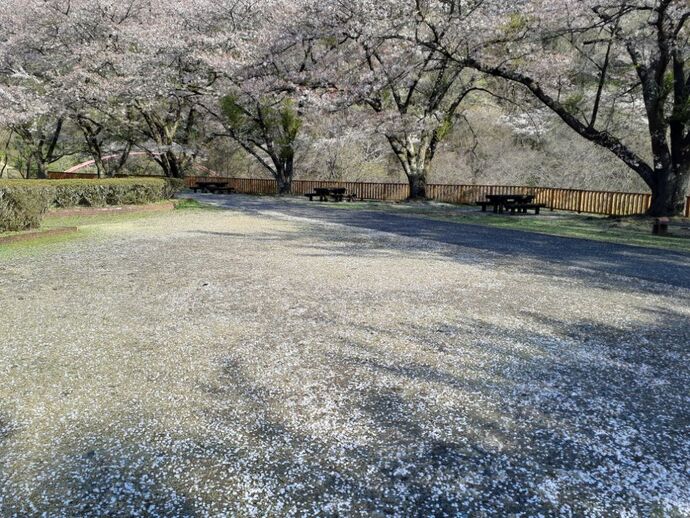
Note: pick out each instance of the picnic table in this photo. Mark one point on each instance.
(334, 194)
(213, 186)
(513, 203)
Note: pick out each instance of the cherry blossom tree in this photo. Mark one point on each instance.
(197, 49)
(161, 75)
(32, 102)
(599, 65)
(149, 78)
(366, 54)
(132, 70)
(256, 102)
(56, 72)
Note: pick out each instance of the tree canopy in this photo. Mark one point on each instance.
(170, 77)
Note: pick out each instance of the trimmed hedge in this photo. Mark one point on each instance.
(23, 202)
(22, 208)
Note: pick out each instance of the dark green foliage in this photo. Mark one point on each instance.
(22, 208)
(267, 129)
(276, 125)
(233, 112)
(23, 202)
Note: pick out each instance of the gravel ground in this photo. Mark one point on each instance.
(272, 360)
(592, 259)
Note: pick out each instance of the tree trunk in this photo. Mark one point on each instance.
(417, 186)
(284, 185)
(96, 151)
(284, 176)
(41, 168)
(415, 159)
(174, 164)
(27, 168)
(100, 166)
(669, 192)
(91, 131)
(122, 161)
(171, 164)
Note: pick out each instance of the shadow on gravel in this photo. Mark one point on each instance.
(115, 475)
(6, 429)
(585, 418)
(580, 419)
(558, 256)
(626, 271)
(467, 418)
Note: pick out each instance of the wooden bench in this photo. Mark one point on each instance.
(337, 195)
(224, 190)
(513, 203)
(522, 208)
(213, 187)
(312, 195)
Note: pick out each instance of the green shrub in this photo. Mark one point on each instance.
(23, 202)
(120, 191)
(22, 208)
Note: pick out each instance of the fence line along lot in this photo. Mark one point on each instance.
(573, 200)
(264, 360)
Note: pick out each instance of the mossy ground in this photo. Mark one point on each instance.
(88, 225)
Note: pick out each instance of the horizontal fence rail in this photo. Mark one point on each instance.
(572, 200)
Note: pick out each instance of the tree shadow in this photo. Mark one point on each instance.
(592, 261)
(579, 418)
(106, 474)
(556, 424)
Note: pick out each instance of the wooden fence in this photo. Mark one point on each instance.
(363, 190)
(573, 200)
